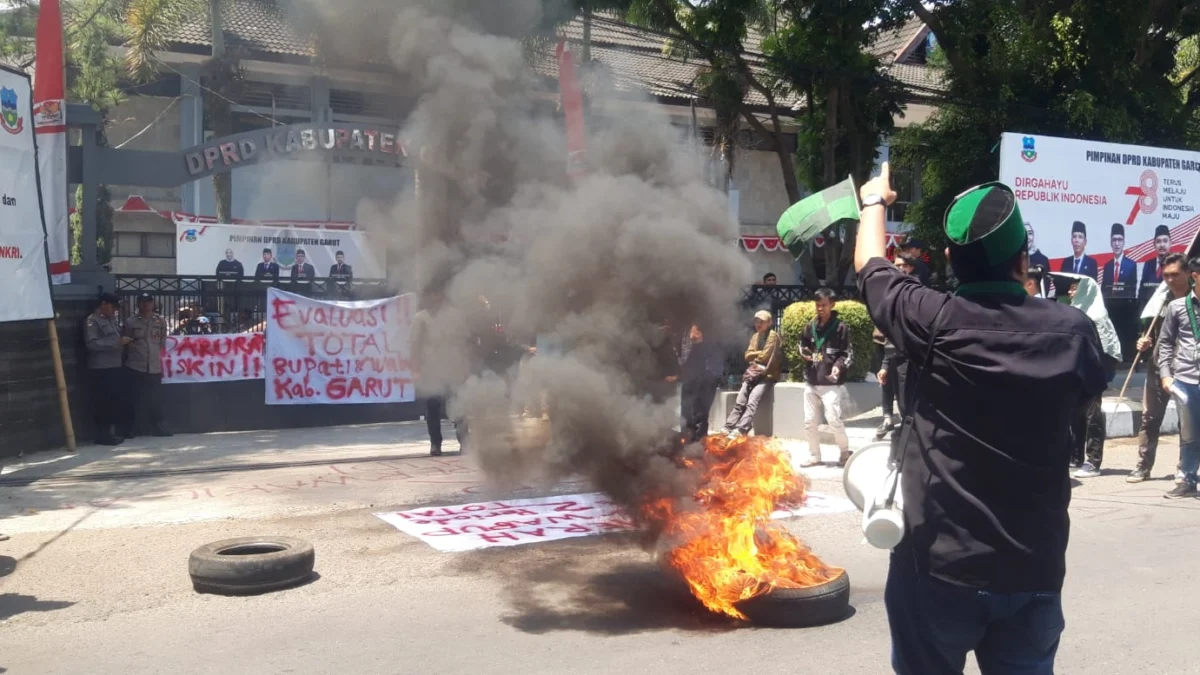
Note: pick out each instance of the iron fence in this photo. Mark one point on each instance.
(197, 305)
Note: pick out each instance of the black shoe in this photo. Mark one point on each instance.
(126, 435)
(884, 429)
(3, 537)
(1185, 489)
(109, 441)
(435, 451)
(1137, 476)
(163, 433)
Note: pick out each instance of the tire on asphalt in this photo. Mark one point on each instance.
(800, 607)
(250, 565)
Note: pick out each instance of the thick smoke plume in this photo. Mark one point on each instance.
(595, 267)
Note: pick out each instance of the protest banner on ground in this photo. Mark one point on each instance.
(1104, 210)
(208, 250)
(512, 522)
(22, 230)
(213, 358)
(338, 352)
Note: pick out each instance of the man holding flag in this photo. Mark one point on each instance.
(1173, 269)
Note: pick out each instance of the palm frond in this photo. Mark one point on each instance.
(150, 25)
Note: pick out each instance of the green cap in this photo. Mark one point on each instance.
(985, 224)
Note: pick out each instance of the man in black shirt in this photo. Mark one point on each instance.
(230, 268)
(984, 476)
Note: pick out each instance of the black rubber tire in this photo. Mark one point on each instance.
(800, 607)
(264, 564)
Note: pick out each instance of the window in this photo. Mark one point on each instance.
(145, 245)
(159, 245)
(129, 244)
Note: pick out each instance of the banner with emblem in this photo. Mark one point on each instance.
(242, 251)
(1108, 211)
(22, 229)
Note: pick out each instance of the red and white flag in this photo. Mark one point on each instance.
(50, 132)
(572, 103)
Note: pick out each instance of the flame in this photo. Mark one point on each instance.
(723, 541)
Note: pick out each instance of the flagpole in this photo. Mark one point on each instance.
(1137, 357)
(60, 381)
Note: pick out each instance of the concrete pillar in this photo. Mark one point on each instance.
(191, 129)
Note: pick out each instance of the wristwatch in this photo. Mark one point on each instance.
(872, 200)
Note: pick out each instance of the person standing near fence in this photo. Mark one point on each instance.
(1173, 271)
(1179, 374)
(105, 347)
(702, 364)
(437, 366)
(147, 332)
(827, 350)
(764, 362)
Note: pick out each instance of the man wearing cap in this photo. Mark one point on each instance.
(764, 363)
(983, 476)
(1120, 273)
(1152, 269)
(147, 332)
(105, 347)
(1080, 262)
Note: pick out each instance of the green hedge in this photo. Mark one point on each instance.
(852, 313)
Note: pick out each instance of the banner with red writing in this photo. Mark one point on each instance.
(338, 352)
(213, 358)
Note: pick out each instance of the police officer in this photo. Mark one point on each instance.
(147, 333)
(984, 481)
(105, 347)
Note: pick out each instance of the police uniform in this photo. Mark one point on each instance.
(984, 478)
(143, 361)
(102, 337)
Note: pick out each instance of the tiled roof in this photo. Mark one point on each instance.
(257, 25)
(890, 45)
(635, 58)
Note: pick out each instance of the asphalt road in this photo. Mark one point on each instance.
(94, 579)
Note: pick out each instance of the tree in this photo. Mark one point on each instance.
(716, 31)
(1110, 70)
(821, 50)
(152, 24)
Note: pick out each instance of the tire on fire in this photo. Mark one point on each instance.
(800, 607)
(250, 565)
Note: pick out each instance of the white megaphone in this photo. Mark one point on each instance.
(873, 484)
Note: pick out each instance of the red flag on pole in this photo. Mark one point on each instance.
(50, 131)
(572, 103)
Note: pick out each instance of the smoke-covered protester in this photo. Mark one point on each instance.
(979, 570)
(596, 264)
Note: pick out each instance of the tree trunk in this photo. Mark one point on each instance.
(220, 117)
(587, 35)
(833, 241)
(854, 135)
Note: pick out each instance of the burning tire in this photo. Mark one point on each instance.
(249, 565)
(800, 607)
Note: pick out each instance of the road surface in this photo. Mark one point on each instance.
(95, 580)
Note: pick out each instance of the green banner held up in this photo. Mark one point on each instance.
(812, 215)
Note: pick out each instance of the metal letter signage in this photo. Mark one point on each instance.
(224, 154)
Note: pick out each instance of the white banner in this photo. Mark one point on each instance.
(257, 252)
(1104, 210)
(338, 352)
(22, 232)
(213, 358)
(52, 167)
(512, 522)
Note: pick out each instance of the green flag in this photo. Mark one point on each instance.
(812, 215)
